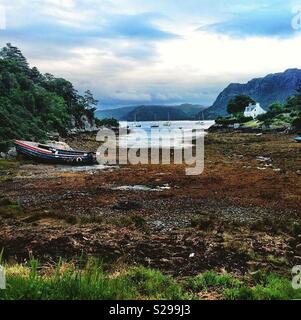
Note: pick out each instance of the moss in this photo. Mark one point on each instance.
(10, 209)
(129, 221)
(8, 164)
(278, 261)
(87, 219)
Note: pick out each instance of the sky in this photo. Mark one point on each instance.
(131, 52)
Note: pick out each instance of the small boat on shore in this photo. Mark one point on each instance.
(298, 139)
(52, 153)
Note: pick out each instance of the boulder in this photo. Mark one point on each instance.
(12, 153)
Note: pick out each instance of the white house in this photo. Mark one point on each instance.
(253, 110)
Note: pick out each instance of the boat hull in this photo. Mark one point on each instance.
(55, 156)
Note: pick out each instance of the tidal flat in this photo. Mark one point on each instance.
(241, 216)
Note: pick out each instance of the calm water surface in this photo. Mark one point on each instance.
(163, 133)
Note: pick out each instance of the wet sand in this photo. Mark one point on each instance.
(241, 215)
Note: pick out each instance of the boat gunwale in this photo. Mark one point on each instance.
(25, 144)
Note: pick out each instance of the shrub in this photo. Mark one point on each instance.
(110, 123)
(225, 121)
(244, 119)
(297, 123)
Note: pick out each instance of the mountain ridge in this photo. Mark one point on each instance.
(274, 87)
(190, 111)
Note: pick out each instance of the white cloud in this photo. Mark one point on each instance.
(193, 67)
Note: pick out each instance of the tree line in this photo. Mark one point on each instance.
(32, 103)
(288, 112)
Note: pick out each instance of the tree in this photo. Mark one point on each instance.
(13, 53)
(90, 102)
(297, 123)
(238, 104)
(32, 104)
(36, 76)
(294, 102)
(276, 107)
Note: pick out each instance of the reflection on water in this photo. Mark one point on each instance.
(178, 134)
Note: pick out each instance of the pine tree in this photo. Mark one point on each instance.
(36, 76)
(13, 53)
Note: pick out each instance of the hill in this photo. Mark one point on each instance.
(156, 113)
(267, 90)
(117, 113)
(183, 111)
(33, 104)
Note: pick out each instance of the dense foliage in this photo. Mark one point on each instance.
(32, 104)
(107, 122)
(232, 120)
(238, 104)
(288, 113)
(279, 115)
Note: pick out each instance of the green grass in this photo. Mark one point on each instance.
(252, 124)
(272, 287)
(211, 280)
(69, 281)
(8, 164)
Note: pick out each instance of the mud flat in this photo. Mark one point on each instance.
(241, 215)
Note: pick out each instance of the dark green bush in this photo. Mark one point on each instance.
(226, 121)
(297, 123)
(109, 123)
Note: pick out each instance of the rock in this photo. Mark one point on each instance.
(85, 125)
(2, 155)
(297, 258)
(12, 153)
(127, 205)
(263, 159)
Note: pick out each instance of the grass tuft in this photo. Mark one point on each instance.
(88, 281)
(212, 280)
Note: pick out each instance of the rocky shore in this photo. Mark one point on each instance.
(241, 215)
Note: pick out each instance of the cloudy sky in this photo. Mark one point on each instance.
(155, 51)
